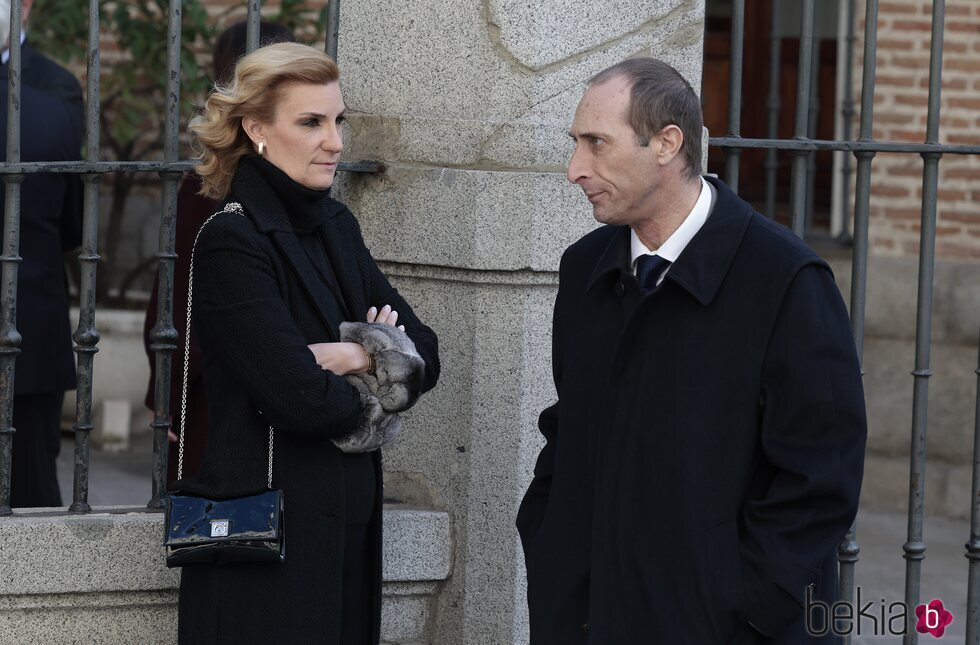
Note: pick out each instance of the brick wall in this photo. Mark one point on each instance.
(900, 109)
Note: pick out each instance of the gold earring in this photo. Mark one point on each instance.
(261, 148)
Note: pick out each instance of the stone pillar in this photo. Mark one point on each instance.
(468, 102)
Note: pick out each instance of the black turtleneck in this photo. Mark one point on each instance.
(304, 206)
(307, 211)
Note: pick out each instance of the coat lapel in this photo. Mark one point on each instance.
(26, 57)
(265, 209)
(704, 262)
(343, 262)
(318, 293)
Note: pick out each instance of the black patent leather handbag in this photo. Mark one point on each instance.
(204, 530)
(209, 531)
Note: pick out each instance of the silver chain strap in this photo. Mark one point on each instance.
(231, 207)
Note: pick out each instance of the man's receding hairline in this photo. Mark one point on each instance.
(608, 75)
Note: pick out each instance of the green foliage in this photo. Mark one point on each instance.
(133, 94)
(133, 84)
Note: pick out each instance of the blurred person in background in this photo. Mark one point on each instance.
(50, 225)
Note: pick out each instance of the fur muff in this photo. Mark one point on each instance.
(394, 386)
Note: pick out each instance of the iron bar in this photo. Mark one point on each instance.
(848, 551)
(813, 113)
(862, 186)
(10, 338)
(847, 118)
(333, 28)
(798, 181)
(253, 25)
(915, 547)
(849, 146)
(973, 546)
(733, 154)
(86, 337)
(102, 167)
(168, 223)
(772, 109)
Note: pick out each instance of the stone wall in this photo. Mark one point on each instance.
(468, 102)
(900, 114)
(101, 578)
(889, 357)
(900, 109)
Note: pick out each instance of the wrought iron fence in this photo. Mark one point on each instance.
(86, 336)
(170, 169)
(801, 192)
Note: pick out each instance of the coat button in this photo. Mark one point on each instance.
(585, 627)
(619, 289)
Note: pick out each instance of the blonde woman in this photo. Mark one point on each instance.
(271, 289)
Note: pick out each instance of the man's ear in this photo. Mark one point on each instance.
(25, 11)
(670, 140)
(253, 129)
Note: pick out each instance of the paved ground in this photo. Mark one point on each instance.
(124, 479)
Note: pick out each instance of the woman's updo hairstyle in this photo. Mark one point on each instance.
(218, 137)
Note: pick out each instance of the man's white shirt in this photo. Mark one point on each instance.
(5, 54)
(679, 239)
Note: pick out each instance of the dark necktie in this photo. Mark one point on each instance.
(648, 269)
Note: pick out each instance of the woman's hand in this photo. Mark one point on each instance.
(341, 358)
(386, 316)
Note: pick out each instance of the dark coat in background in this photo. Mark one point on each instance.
(42, 73)
(51, 220)
(705, 455)
(50, 225)
(256, 308)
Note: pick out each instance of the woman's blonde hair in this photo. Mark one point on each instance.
(218, 137)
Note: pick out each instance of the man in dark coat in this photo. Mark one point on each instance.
(42, 73)
(705, 454)
(50, 224)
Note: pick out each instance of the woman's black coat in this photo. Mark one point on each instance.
(256, 307)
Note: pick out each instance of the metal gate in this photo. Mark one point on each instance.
(864, 149)
(801, 146)
(86, 338)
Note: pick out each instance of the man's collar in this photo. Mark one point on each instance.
(702, 265)
(5, 54)
(679, 239)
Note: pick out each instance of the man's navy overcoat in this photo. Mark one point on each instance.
(705, 454)
(50, 221)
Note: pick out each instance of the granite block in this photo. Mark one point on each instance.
(101, 577)
(892, 291)
(527, 30)
(415, 545)
(405, 612)
(475, 436)
(889, 386)
(467, 99)
(470, 219)
(132, 617)
(886, 485)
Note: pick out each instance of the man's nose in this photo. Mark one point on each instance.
(577, 167)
